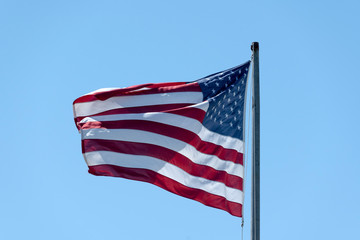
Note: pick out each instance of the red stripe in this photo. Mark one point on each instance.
(191, 112)
(170, 185)
(154, 88)
(144, 109)
(165, 154)
(173, 132)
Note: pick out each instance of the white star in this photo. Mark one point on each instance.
(231, 109)
(217, 84)
(235, 118)
(231, 124)
(221, 122)
(228, 100)
(238, 127)
(213, 91)
(239, 112)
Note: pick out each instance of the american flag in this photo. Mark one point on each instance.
(185, 137)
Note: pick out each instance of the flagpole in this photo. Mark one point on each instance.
(255, 182)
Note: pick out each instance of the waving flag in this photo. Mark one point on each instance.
(185, 137)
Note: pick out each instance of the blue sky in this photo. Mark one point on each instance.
(52, 52)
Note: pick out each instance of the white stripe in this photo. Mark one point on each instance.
(102, 90)
(165, 169)
(187, 150)
(94, 107)
(179, 121)
(140, 89)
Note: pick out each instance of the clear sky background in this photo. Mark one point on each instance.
(52, 52)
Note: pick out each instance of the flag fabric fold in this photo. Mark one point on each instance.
(185, 137)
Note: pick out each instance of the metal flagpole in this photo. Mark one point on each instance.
(255, 181)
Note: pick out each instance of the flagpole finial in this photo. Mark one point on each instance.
(254, 46)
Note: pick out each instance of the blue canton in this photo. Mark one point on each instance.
(225, 92)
